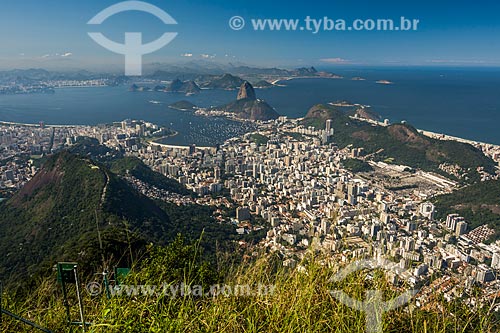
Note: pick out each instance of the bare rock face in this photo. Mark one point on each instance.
(246, 92)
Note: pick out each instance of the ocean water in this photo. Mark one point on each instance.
(463, 103)
(91, 106)
(459, 102)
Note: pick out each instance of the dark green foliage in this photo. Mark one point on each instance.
(179, 262)
(295, 136)
(259, 138)
(183, 106)
(193, 220)
(479, 204)
(356, 165)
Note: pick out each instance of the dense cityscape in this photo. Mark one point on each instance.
(291, 180)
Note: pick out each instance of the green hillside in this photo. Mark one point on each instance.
(400, 142)
(54, 217)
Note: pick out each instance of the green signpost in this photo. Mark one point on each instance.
(67, 274)
(120, 274)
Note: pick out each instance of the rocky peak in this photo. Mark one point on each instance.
(246, 92)
(176, 85)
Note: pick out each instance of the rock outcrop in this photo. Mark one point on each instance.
(248, 107)
(246, 92)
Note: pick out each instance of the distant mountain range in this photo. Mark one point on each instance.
(204, 75)
(32, 76)
(186, 78)
(186, 87)
(226, 82)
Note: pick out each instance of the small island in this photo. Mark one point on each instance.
(183, 106)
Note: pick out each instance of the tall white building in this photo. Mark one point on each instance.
(328, 127)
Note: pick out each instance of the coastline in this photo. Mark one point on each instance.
(434, 135)
(90, 86)
(11, 123)
(165, 145)
(442, 136)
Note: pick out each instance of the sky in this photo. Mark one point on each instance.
(53, 33)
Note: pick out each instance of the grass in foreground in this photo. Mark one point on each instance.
(299, 301)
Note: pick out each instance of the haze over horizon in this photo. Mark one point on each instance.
(53, 34)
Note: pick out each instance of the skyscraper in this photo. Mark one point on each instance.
(217, 173)
(192, 149)
(328, 127)
(461, 228)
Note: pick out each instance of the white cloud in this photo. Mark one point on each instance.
(67, 54)
(207, 56)
(186, 55)
(335, 60)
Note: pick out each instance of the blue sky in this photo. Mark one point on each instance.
(47, 33)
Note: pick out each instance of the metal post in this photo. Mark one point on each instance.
(66, 303)
(106, 283)
(80, 304)
(26, 321)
